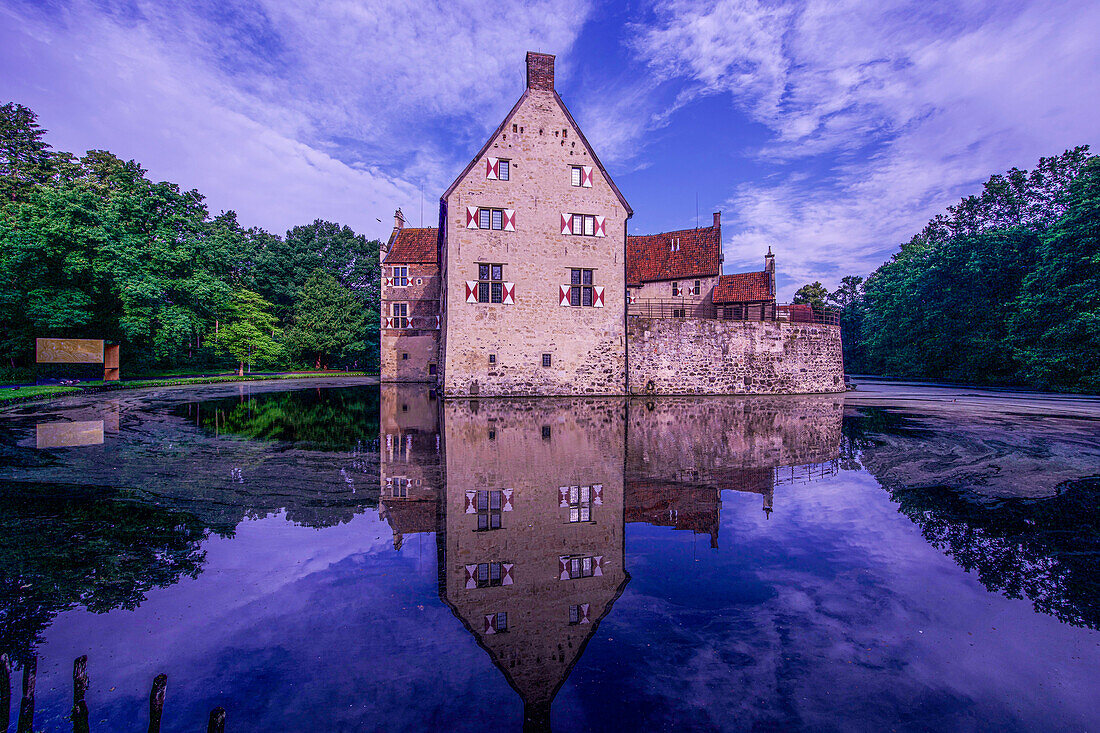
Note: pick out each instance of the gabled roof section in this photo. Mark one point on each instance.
(743, 287)
(414, 245)
(678, 255)
(503, 126)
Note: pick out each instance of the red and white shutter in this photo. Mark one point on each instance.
(471, 576)
(490, 623)
(471, 502)
(563, 496)
(566, 223)
(509, 220)
(509, 294)
(601, 226)
(597, 296)
(586, 176)
(584, 614)
(471, 291)
(471, 217)
(438, 322)
(507, 574)
(386, 282)
(506, 503)
(597, 494)
(563, 295)
(563, 568)
(492, 169)
(597, 566)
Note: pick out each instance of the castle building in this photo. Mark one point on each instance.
(409, 340)
(683, 265)
(531, 285)
(533, 247)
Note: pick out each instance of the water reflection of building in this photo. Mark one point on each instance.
(409, 464)
(529, 499)
(682, 453)
(532, 552)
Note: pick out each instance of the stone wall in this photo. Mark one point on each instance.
(697, 356)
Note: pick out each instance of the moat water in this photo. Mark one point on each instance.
(320, 557)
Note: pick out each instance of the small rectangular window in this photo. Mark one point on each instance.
(400, 312)
(498, 218)
(578, 224)
(589, 226)
(574, 615)
(431, 369)
(400, 276)
(697, 287)
(546, 360)
(502, 622)
(546, 432)
(675, 289)
(576, 175)
(492, 358)
(586, 277)
(404, 356)
(581, 292)
(575, 277)
(483, 218)
(504, 166)
(586, 296)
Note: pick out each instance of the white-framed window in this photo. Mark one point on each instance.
(489, 505)
(503, 169)
(584, 224)
(580, 503)
(576, 174)
(400, 488)
(400, 276)
(490, 219)
(400, 313)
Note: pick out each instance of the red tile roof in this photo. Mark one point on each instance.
(414, 245)
(743, 287)
(650, 257)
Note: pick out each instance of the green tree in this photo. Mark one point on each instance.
(249, 332)
(1055, 326)
(25, 158)
(814, 294)
(328, 319)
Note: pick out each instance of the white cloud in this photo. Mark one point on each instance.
(906, 106)
(283, 111)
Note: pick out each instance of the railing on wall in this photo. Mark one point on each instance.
(687, 309)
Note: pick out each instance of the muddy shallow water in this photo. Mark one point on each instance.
(332, 556)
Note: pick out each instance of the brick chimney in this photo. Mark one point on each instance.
(540, 71)
(718, 219)
(398, 220)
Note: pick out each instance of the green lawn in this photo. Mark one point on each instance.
(10, 395)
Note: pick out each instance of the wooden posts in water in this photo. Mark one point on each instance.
(156, 702)
(5, 692)
(26, 705)
(217, 721)
(79, 715)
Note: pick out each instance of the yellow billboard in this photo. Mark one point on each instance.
(68, 351)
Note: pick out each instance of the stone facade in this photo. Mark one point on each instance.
(409, 338)
(498, 348)
(676, 356)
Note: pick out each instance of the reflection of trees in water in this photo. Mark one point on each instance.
(323, 419)
(1047, 549)
(60, 548)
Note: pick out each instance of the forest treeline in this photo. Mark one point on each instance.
(1003, 289)
(90, 247)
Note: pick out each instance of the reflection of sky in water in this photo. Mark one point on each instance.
(834, 613)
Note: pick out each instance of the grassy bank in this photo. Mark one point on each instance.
(11, 395)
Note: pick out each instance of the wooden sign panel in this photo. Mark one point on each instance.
(68, 351)
(70, 434)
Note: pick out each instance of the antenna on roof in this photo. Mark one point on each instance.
(422, 205)
(696, 209)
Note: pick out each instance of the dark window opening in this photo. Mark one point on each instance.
(490, 285)
(580, 291)
(546, 432)
(492, 358)
(431, 369)
(546, 360)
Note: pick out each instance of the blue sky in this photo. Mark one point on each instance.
(828, 130)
